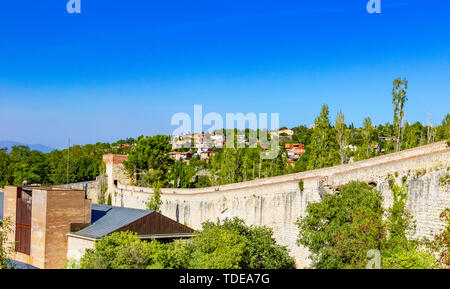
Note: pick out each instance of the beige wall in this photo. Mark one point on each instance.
(52, 212)
(93, 187)
(278, 203)
(76, 247)
(9, 209)
(115, 171)
(63, 207)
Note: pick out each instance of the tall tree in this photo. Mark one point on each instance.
(4, 167)
(443, 132)
(341, 228)
(342, 136)
(368, 136)
(399, 99)
(323, 145)
(151, 156)
(229, 171)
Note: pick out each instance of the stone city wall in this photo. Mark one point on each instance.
(277, 202)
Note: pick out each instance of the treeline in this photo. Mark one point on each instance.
(326, 144)
(329, 144)
(33, 167)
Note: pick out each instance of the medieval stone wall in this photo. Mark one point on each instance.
(278, 202)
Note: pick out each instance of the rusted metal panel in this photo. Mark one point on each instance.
(23, 222)
(154, 224)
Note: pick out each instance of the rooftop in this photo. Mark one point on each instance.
(107, 219)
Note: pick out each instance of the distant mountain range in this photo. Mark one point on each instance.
(36, 147)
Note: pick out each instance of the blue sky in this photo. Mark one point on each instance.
(123, 68)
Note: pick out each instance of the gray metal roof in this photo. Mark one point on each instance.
(21, 265)
(107, 219)
(1, 205)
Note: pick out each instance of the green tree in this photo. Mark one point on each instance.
(323, 145)
(399, 220)
(302, 134)
(227, 245)
(341, 228)
(409, 259)
(154, 203)
(217, 248)
(5, 172)
(26, 165)
(365, 150)
(342, 137)
(151, 157)
(443, 132)
(233, 245)
(229, 166)
(124, 250)
(400, 250)
(414, 135)
(399, 99)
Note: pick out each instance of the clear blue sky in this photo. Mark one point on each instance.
(123, 68)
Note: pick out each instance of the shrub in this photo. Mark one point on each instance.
(124, 250)
(409, 259)
(227, 245)
(301, 185)
(340, 229)
(6, 248)
(154, 202)
(233, 245)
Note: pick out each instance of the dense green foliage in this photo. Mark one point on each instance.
(233, 165)
(323, 143)
(233, 245)
(227, 245)
(325, 146)
(6, 249)
(124, 250)
(34, 167)
(149, 161)
(341, 229)
(440, 245)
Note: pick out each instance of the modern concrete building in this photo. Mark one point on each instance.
(41, 218)
(51, 225)
(108, 219)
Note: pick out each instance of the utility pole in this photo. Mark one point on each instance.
(68, 158)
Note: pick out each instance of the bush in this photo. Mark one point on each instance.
(154, 202)
(6, 248)
(301, 185)
(124, 250)
(341, 229)
(233, 245)
(409, 259)
(227, 245)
